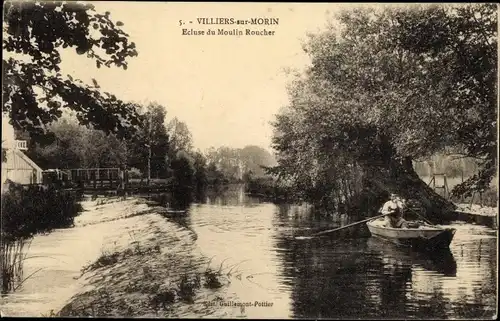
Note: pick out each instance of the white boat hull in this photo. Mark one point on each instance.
(425, 237)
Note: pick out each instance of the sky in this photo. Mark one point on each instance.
(227, 89)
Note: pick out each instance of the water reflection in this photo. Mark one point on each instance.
(441, 261)
(345, 275)
(226, 196)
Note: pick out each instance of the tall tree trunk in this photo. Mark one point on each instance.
(388, 173)
(399, 177)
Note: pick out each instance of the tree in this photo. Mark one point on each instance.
(152, 132)
(214, 176)
(463, 58)
(75, 146)
(371, 101)
(67, 149)
(235, 162)
(180, 137)
(254, 158)
(34, 90)
(227, 160)
(200, 171)
(102, 150)
(183, 179)
(4, 154)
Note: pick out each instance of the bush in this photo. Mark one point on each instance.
(267, 187)
(135, 173)
(27, 211)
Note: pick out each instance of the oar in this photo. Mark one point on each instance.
(415, 212)
(349, 225)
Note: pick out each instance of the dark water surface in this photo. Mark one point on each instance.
(345, 275)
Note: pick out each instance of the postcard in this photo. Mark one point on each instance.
(249, 160)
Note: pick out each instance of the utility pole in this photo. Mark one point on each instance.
(149, 150)
(149, 164)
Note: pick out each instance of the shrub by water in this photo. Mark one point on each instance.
(27, 211)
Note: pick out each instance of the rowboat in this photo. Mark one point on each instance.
(425, 237)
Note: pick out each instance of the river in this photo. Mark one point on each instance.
(347, 274)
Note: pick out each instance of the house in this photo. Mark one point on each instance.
(18, 167)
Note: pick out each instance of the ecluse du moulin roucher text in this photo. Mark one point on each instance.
(228, 32)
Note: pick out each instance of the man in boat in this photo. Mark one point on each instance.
(394, 207)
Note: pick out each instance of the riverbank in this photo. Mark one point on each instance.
(474, 213)
(262, 260)
(475, 209)
(152, 270)
(122, 258)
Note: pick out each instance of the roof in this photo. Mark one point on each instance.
(27, 159)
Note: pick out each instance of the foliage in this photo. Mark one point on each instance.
(387, 87)
(4, 153)
(101, 150)
(152, 132)
(183, 164)
(180, 137)
(134, 173)
(75, 146)
(268, 187)
(235, 162)
(215, 177)
(226, 160)
(25, 213)
(13, 256)
(451, 165)
(183, 178)
(35, 92)
(255, 158)
(200, 171)
(463, 62)
(64, 150)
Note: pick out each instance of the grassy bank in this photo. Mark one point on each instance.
(150, 268)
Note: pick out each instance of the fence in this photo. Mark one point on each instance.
(104, 178)
(444, 188)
